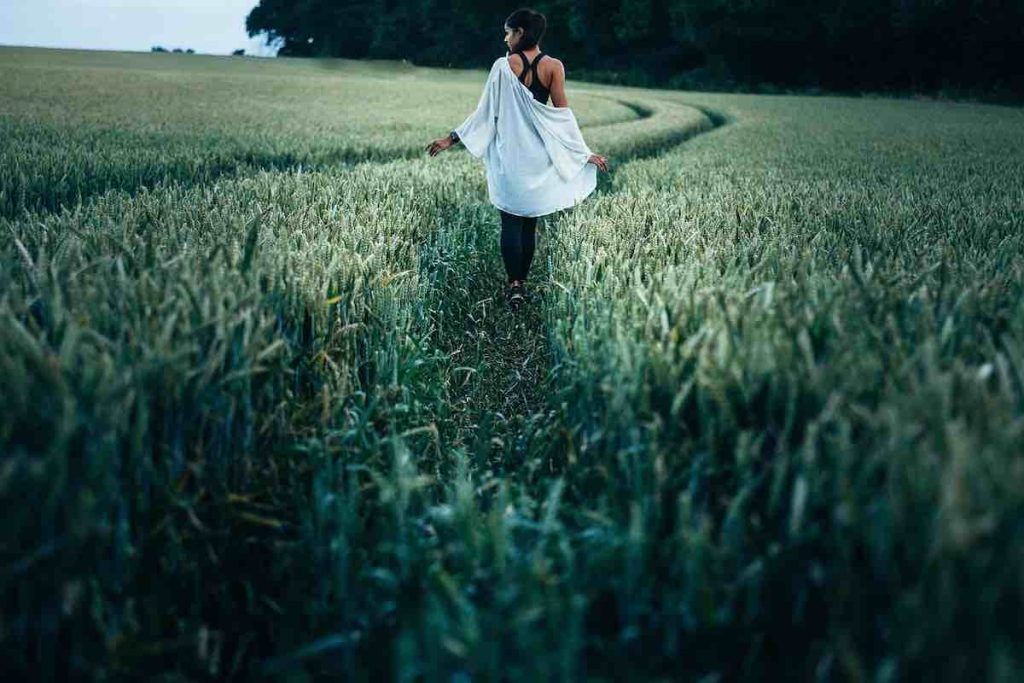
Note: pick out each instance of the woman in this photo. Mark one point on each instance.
(537, 161)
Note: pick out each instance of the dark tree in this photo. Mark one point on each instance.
(828, 44)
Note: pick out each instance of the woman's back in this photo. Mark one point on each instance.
(535, 154)
(529, 75)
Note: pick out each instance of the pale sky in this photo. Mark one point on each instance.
(206, 26)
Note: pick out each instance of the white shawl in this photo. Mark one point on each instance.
(535, 155)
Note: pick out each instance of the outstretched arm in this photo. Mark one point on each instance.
(476, 132)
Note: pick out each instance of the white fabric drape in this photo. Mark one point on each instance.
(535, 155)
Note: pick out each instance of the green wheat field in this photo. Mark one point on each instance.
(265, 413)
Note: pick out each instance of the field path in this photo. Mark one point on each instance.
(499, 380)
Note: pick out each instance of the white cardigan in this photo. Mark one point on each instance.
(535, 155)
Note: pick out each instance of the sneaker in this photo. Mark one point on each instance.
(516, 294)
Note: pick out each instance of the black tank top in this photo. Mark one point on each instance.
(540, 93)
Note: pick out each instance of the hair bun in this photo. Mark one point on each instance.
(533, 24)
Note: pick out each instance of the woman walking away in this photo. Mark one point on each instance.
(537, 162)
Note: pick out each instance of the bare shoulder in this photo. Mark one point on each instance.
(552, 69)
(553, 64)
(515, 61)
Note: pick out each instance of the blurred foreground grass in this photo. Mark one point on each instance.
(764, 419)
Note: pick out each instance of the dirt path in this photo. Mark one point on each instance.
(498, 383)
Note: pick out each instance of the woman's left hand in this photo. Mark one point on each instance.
(600, 161)
(439, 145)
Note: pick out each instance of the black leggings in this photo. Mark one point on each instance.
(518, 241)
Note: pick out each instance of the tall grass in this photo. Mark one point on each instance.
(789, 355)
(157, 353)
(279, 423)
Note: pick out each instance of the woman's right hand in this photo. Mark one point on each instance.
(599, 161)
(439, 145)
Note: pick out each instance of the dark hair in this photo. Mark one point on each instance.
(532, 23)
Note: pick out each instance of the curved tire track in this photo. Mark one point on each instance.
(501, 404)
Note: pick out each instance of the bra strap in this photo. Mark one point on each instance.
(526, 65)
(536, 75)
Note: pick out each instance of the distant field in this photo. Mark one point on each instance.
(76, 124)
(264, 408)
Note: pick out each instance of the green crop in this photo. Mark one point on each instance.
(264, 410)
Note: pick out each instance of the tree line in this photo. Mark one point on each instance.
(835, 45)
